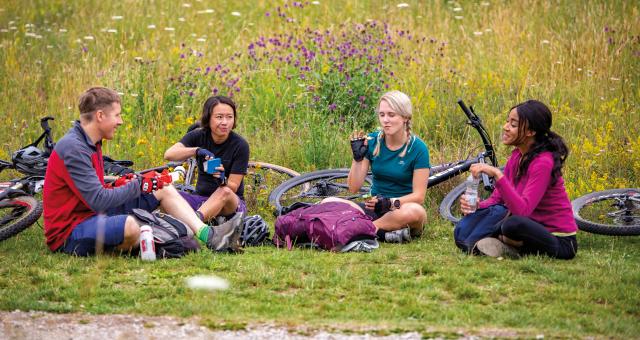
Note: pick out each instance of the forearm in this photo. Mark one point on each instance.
(357, 174)
(179, 152)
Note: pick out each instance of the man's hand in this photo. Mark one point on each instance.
(152, 181)
(149, 185)
(122, 180)
(358, 145)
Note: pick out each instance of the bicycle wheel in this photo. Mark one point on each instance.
(17, 214)
(609, 212)
(261, 179)
(450, 206)
(313, 187)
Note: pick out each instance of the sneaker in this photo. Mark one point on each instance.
(226, 236)
(398, 236)
(495, 248)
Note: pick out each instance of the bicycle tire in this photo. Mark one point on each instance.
(304, 181)
(585, 219)
(448, 207)
(25, 211)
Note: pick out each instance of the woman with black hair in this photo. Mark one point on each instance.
(532, 188)
(220, 192)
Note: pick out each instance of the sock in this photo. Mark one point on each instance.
(203, 233)
(380, 233)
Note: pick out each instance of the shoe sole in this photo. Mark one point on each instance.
(496, 249)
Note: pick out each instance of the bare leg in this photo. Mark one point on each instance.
(412, 215)
(222, 202)
(131, 234)
(175, 205)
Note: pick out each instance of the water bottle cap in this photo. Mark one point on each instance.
(145, 228)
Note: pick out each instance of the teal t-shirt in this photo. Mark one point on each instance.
(392, 174)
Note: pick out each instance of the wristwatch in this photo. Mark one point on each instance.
(395, 204)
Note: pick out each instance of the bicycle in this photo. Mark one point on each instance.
(19, 209)
(316, 185)
(609, 212)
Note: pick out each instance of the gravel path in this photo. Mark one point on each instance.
(40, 325)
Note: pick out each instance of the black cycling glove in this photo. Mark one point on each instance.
(383, 205)
(358, 148)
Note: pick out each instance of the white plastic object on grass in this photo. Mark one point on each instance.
(207, 282)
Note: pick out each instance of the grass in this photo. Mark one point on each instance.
(421, 286)
(580, 57)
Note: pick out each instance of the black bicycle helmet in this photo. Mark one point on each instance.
(255, 231)
(30, 161)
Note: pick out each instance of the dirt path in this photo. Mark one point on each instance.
(40, 325)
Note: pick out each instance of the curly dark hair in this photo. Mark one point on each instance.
(536, 116)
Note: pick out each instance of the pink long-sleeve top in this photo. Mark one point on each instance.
(534, 196)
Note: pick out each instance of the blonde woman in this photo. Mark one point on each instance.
(399, 162)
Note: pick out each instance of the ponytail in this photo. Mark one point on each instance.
(549, 141)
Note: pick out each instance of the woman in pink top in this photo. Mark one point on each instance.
(532, 188)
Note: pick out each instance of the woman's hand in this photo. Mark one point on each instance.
(358, 145)
(370, 204)
(465, 207)
(491, 171)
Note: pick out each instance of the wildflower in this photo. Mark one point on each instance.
(169, 29)
(235, 14)
(181, 19)
(477, 33)
(152, 26)
(332, 107)
(187, 5)
(544, 41)
(315, 2)
(206, 11)
(458, 17)
(457, 9)
(402, 5)
(111, 30)
(88, 37)
(117, 17)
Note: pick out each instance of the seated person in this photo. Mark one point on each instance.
(532, 189)
(220, 193)
(399, 162)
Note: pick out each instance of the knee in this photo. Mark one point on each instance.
(225, 193)
(131, 232)
(511, 225)
(415, 213)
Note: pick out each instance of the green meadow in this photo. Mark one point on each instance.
(304, 75)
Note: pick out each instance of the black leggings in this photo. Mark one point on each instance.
(537, 239)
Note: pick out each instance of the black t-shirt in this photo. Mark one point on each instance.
(234, 153)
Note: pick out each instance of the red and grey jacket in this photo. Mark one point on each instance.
(74, 188)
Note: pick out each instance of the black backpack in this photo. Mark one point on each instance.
(170, 235)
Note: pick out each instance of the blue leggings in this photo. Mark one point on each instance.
(537, 239)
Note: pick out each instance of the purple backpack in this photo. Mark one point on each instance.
(330, 226)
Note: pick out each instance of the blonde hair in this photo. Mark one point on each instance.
(401, 104)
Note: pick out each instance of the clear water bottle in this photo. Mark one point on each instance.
(147, 247)
(471, 194)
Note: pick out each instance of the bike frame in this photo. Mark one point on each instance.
(444, 172)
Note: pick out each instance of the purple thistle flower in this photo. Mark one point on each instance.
(332, 107)
(268, 14)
